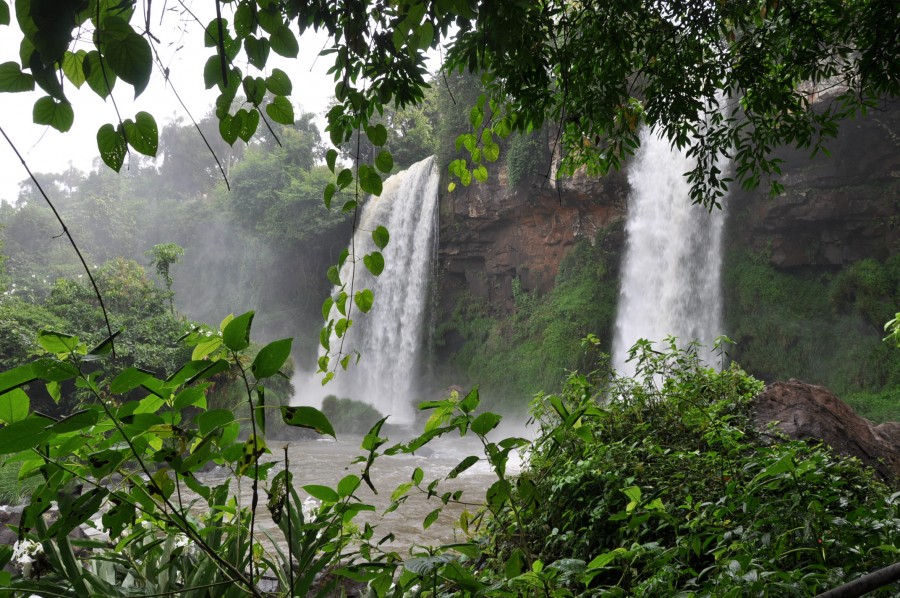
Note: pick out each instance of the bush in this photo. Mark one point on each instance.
(822, 327)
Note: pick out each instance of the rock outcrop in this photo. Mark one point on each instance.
(807, 412)
(835, 209)
(491, 234)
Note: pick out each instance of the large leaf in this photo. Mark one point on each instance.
(374, 263)
(73, 67)
(57, 114)
(112, 146)
(271, 357)
(323, 493)
(381, 237)
(364, 300)
(24, 434)
(12, 79)
(307, 417)
(284, 42)
(280, 110)
(99, 78)
(236, 334)
(257, 51)
(142, 133)
(127, 53)
(13, 406)
(17, 377)
(279, 83)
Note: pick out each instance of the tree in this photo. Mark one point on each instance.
(724, 79)
(164, 256)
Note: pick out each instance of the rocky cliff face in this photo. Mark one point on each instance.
(836, 209)
(491, 234)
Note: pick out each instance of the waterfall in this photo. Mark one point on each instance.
(390, 338)
(670, 283)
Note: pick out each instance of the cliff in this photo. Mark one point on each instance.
(835, 209)
(491, 234)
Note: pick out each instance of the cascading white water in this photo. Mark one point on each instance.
(670, 282)
(390, 337)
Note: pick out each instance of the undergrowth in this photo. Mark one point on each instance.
(822, 327)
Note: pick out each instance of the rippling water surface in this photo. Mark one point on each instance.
(325, 462)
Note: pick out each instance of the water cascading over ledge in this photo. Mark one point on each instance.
(390, 338)
(671, 274)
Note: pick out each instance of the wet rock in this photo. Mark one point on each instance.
(492, 234)
(808, 412)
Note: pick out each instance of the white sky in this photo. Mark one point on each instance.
(181, 48)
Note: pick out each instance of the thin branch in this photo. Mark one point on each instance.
(165, 73)
(71, 240)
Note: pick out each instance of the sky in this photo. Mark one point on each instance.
(182, 50)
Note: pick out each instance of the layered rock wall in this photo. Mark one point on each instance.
(835, 209)
(491, 234)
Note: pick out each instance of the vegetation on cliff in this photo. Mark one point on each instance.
(824, 327)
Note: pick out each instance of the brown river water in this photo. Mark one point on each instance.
(325, 462)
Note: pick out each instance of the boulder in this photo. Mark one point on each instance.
(804, 411)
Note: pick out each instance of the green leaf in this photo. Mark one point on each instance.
(57, 342)
(127, 53)
(280, 110)
(307, 417)
(80, 420)
(417, 476)
(23, 435)
(330, 190)
(348, 485)
(255, 89)
(12, 79)
(334, 275)
(118, 517)
(257, 51)
(72, 67)
(381, 237)
(374, 263)
(236, 334)
(14, 406)
(491, 152)
(364, 300)
(330, 158)
(344, 178)
(4, 13)
(426, 35)
(431, 518)
(57, 114)
(129, 379)
(279, 83)
(468, 404)
(462, 466)
(384, 161)
(341, 327)
(323, 493)
(485, 422)
(191, 397)
(212, 73)
(480, 174)
(227, 131)
(369, 180)
(270, 358)
(249, 121)
(326, 308)
(210, 421)
(96, 76)
(111, 143)
(142, 133)
(284, 42)
(377, 134)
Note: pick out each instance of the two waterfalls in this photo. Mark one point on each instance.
(670, 275)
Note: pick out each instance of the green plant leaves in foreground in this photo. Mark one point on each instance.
(270, 358)
(307, 417)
